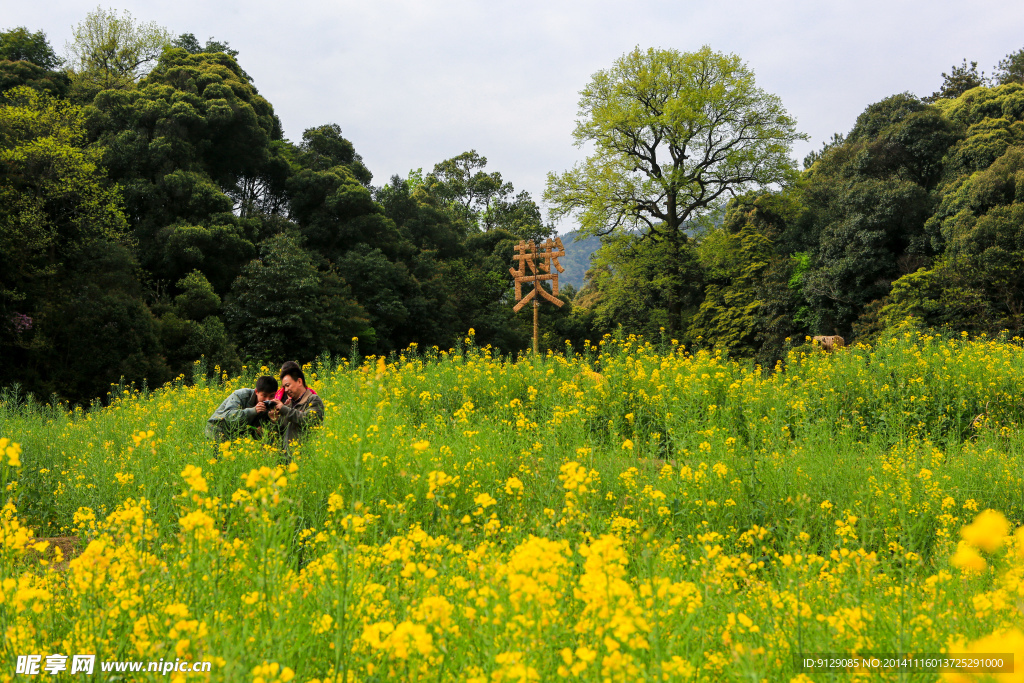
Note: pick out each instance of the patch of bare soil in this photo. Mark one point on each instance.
(70, 547)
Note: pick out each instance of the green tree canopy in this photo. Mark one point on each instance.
(422, 218)
(977, 284)
(330, 199)
(190, 44)
(636, 283)
(14, 74)
(72, 318)
(991, 119)
(868, 202)
(462, 183)
(191, 131)
(959, 80)
(53, 196)
(1011, 68)
(284, 307)
(484, 201)
(191, 328)
(324, 147)
(675, 135)
(114, 51)
(19, 44)
(750, 300)
(27, 59)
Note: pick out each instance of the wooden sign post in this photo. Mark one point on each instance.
(531, 271)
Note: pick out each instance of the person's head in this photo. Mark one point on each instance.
(289, 365)
(266, 387)
(293, 382)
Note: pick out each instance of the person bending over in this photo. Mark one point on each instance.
(243, 412)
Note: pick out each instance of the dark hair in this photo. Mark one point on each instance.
(266, 385)
(288, 366)
(294, 373)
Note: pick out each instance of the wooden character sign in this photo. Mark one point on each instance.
(532, 271)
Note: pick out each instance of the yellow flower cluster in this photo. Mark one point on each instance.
(11, 451)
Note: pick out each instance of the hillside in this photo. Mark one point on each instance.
(577, 258)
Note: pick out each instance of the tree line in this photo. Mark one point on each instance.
(711, 236)
(152, 213)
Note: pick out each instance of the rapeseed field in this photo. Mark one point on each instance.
(637, 511)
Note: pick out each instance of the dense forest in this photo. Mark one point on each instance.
(152, 213)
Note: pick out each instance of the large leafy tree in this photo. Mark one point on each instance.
(635, 283)
(109, 50)
(749, 304)
(178, 144)
(27, 59)
(990, 120)
(283, 306)
(977, 283)
(674, 135)
(462, 183)
(14, 74)
(404, 299)
(478, 289)
(484, 201)
(19, 44)
(95, 327)
(464, 221)
(190, 44)
(52, 194)
(330, 199)
(191, 328)
(868, 202)
(422, 219)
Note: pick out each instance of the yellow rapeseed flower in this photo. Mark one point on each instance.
(1010, 642)
(12, 451)
(193, 476)
(987, 531)
(968, 559)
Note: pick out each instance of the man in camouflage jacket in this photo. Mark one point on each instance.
(243, 412)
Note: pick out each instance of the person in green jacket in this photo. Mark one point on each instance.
(243, 412)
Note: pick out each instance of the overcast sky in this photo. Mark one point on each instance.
(412, 83)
